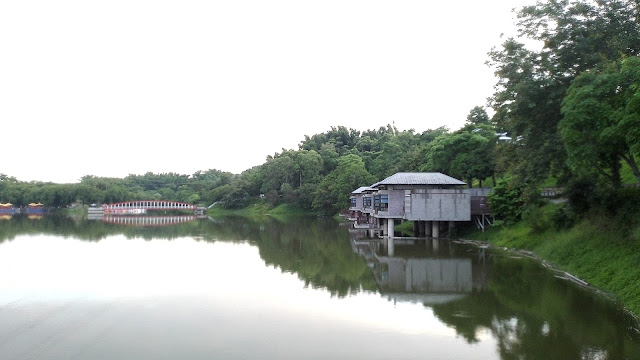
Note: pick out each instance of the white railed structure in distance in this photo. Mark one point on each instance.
(142, 206)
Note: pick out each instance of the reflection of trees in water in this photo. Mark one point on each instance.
(534, 315)
(316, 250)
(530, 313)
(50, 224)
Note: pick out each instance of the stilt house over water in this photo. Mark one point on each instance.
(428, 199)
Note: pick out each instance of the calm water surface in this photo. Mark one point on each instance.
(233, 288)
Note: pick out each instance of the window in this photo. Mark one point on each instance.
(353, 202)
(366, 202)
(381, 202)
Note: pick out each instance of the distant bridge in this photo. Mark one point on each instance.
(140, 207)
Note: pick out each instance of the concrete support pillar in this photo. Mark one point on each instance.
(390, 228)
(427, 228)
(435, 229)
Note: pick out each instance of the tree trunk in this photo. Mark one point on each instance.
(604, 173)
(633, 165)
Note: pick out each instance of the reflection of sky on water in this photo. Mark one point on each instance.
(121, 298)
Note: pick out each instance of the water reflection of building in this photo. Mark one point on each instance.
(35, 208)
(146, 220)
(7, 208)
(431, 272)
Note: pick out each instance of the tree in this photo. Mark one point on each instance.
(478, 116)
(398, 154)
(236, 197)
(575, 36)
(329, 157)
(343, 139)
(467, 153)
(308, 166)
(601, 124)
(506, 200)
(276, 171)
(527, 106)
(335, 189)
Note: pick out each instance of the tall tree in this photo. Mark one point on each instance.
(575, 36)
(601, 124)
(335, 189)
(398, 154)
(478, 116)
(468, 153)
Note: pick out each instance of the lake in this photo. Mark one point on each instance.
(238, 288)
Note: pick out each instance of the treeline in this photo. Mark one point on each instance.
(326, 167)
(319, 175)
(568, 111)
(573, 104)
(192, 189)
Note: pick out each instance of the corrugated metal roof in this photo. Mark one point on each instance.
(424, 178)
(362, 189)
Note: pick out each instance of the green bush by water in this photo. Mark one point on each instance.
(600, 248)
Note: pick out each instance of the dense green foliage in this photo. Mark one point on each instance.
(324, 170)
(197, 188)
(601, 248)
(575, 37)
(319, 175)
(506, 201)
(601, 124)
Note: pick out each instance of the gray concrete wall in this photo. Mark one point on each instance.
(396, 205)
(439, 205)
(359, 202)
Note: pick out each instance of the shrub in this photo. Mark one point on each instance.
(506, 200)
(581, 194)
(563, 218)
(536, 219)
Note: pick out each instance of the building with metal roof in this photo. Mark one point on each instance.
(429, 199)
(421, 178)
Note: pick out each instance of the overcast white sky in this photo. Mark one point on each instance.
(111, 88)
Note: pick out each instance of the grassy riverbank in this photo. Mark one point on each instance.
(602, 250)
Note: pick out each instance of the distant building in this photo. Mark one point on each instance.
(361, 207)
